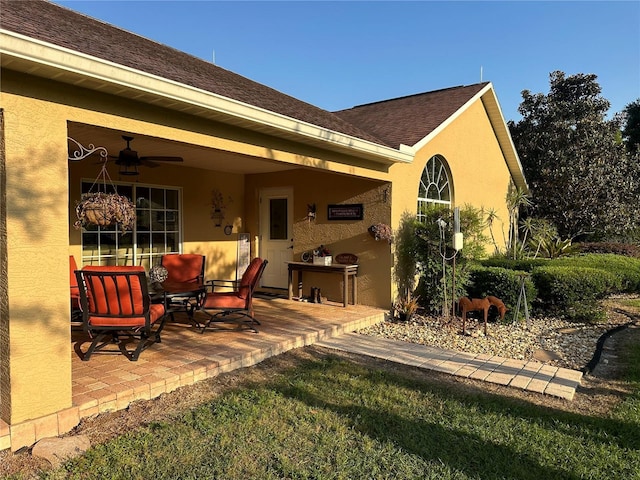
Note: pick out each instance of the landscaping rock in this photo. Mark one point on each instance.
(57, 450)
(551, 341)
(545, 356)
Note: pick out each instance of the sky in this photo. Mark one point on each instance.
(336, 55)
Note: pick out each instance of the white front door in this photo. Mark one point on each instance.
(276, 234)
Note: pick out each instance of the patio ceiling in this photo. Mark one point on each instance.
(194, 156)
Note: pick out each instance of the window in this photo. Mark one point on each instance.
(157, 229)
(435, 187)
(278, 215)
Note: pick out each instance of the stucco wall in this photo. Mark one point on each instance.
(480, 176)
(322, 189)
(37, 259)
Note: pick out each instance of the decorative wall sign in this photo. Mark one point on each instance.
(353, 211)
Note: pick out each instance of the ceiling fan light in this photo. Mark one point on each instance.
(129, 170)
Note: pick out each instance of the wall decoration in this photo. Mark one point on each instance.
(354, 211)
(311, 211)
(218, 206)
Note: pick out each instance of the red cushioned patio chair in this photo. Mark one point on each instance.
(183, 268)
(235, 305)
(115, 303)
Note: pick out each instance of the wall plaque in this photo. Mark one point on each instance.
(354, 211)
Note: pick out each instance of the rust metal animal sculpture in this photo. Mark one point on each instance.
(467, 305)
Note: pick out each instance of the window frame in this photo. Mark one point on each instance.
(435, 162)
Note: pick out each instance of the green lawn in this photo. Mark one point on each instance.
(332, 419)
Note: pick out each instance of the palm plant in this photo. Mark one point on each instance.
(492, 216)
(516, 199)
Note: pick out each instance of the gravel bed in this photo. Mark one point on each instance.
(549, 340)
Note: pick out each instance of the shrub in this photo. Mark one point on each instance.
(626, 268)
(502, 283)
(405, 265)
(433, 245)
(625, 249)
(574, 292)
(571, 287)
(523, 264)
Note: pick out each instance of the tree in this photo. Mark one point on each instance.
(631, 128)
(579, 173)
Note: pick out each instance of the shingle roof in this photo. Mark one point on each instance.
(60, 26)
(407, 120)
(391, 123)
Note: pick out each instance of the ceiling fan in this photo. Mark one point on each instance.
(129, 160)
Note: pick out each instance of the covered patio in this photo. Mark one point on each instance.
(109, 381)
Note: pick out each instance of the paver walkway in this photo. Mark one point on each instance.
(527, 375)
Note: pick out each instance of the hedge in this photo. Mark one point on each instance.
(570, 287)
(574, 292)
(627, 268)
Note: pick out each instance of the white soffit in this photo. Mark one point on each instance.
(61, 64)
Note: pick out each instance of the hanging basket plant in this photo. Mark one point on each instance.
(105, 209)
(381, 231)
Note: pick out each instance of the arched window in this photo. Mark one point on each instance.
(435, 186)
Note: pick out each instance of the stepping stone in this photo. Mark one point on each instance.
(57, 450)
(545, 355)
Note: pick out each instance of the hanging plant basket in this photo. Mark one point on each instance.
(381, 231)
(105, 209)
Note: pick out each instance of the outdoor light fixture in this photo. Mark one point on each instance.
(129, 170)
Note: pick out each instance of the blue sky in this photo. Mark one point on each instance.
(336, 55)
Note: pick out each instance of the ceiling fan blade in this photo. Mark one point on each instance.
(162, 159)
(148, 163)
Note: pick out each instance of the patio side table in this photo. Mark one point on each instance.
(346, 271)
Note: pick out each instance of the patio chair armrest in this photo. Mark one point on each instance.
(229, 284)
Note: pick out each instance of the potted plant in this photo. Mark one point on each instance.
(406, 307)
(322, 256)
(105, 209)
(381, 231)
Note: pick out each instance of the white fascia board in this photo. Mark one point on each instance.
(504, 138)
(61, 58)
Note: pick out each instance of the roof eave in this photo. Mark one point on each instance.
(491, 105)
(61, 64)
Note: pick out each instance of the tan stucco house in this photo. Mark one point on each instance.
(269, 156)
